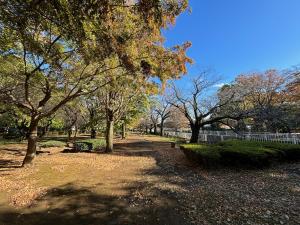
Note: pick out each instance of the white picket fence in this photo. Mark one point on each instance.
(216, 136)
(184, 135)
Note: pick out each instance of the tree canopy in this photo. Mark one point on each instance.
(52, 52)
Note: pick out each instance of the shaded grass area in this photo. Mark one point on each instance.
(241, 153)
(82, 205)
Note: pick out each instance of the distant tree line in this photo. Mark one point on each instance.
(260, 102)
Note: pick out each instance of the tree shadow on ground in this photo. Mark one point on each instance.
(13, 151)
(148, 201)
(9, 164)
(184, 171)
(139, 148)
(71, 205)
(151, 149)
(10, 157)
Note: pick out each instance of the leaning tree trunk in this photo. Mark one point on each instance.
(32, 142)
(109, 132)
(195, 133)
(123, 131)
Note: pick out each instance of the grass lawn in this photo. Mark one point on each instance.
(240, 153)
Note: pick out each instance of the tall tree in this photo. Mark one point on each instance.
(264, 97)
(197, 106)
(163, 111)
(118, 102)
(52, 53)
(176, 120)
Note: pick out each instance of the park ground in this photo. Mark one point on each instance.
(144, 181)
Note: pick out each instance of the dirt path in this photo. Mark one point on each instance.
(143, 182)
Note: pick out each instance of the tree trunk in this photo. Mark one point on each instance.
(69, 134)
(195, 133)
(109, 132)
(146, 129)
(155, 129)
(92, 118)
(75, 134)
(162, 128)
(32, 142)
(93, 133)
(45, 129)
(123, 131)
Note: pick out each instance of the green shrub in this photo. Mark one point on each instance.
(89, 144)
(83, 146)
(290, 152)
(241, 153)
(52, 143)
(206, 155)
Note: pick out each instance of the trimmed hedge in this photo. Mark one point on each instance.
(205, 155)
(240, 153)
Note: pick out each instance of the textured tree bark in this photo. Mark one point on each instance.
(109, 136)
(195, 133)
(155, 129)
(123, 131)
(109, 132)
(32, 142)
(69, 134)
(147, 130)
(92, 118)
(93, 133)
(162, 128)
(75, 133)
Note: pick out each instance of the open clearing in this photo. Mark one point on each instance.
(143, 182)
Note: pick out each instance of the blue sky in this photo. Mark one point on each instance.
(236, 36)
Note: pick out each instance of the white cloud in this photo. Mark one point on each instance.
(219, 85)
